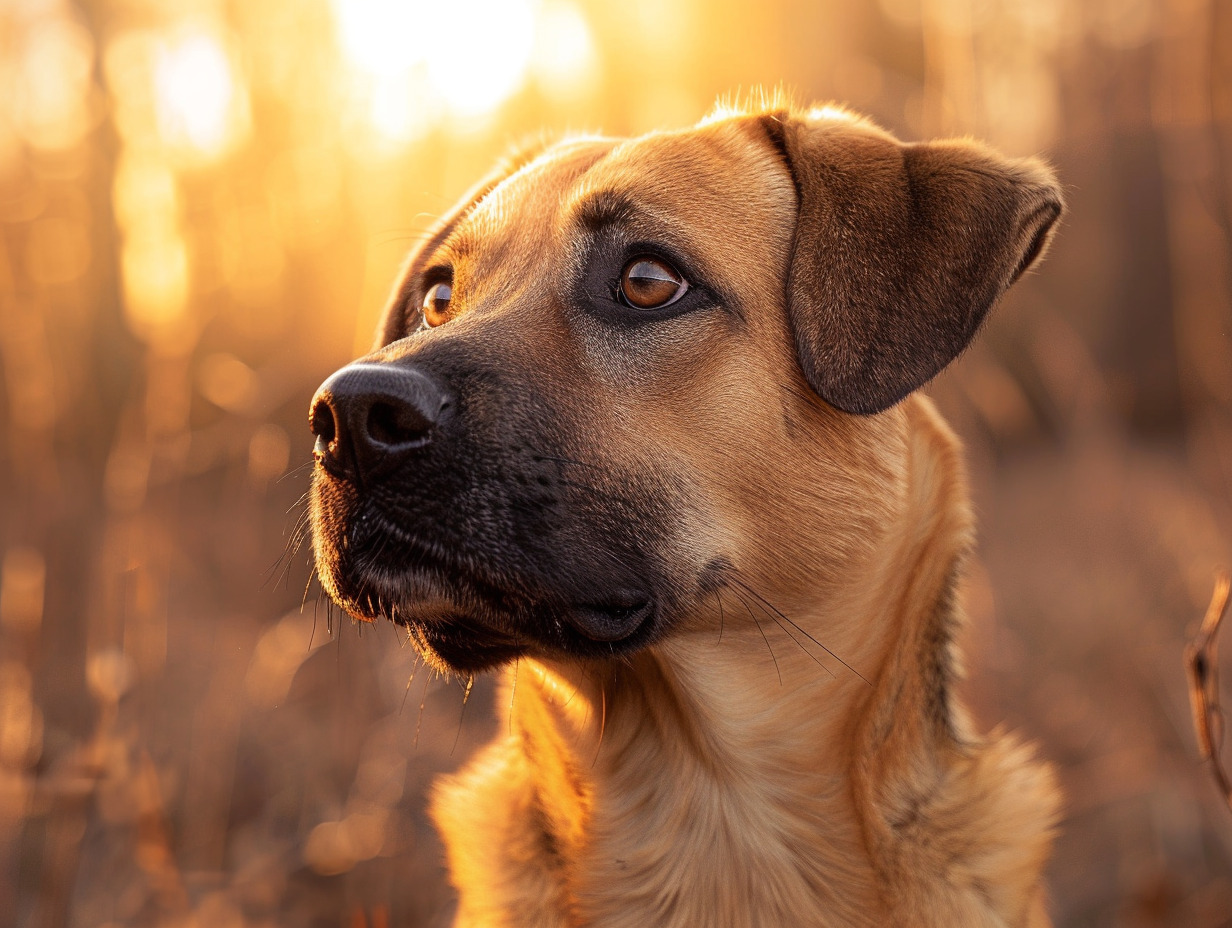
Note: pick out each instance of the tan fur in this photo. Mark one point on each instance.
(691, 788)
(791, 751)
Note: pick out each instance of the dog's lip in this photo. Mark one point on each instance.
(606, 622)
(454, 641)
(614, 619)
(451, 600)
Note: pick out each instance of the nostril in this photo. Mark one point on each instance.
(322, 423)
(396, 424)
(367, 418)
(383, 424)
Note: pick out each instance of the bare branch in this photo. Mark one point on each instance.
(1202, 666)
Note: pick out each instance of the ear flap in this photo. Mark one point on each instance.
(900, 250)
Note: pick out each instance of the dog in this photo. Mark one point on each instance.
(642, 429)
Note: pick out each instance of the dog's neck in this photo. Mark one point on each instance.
(720, 780)
(754, 772)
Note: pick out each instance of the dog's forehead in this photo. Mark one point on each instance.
(722, 169)
(536, 188)
(721, 165)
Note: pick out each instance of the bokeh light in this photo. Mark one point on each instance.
(52, 106)
(564, 58)
(415, 62)
(200, 105)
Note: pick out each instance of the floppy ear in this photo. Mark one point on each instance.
(900, 250)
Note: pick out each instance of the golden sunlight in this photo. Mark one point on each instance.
(379, 36)
(417, 61)
(204, 208)
(489, 63)
(199, 103)
(154, 259)
(155, 274)
(564, 61)
(51, 103)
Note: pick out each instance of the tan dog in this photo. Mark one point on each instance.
(641, 430)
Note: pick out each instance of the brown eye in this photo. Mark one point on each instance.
(436, 303)
(648, 283)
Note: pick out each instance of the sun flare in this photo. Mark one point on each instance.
(198, 99)
(416, 61)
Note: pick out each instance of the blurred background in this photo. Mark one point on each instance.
(203, 205)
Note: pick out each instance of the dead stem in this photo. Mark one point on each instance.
(1202, 666)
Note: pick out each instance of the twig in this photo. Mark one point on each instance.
(1202, 666)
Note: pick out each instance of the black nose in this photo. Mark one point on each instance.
(369, 417)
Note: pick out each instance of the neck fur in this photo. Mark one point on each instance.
(713, 777)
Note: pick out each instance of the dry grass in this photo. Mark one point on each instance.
(189, 737)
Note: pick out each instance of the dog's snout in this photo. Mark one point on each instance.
(369, 417)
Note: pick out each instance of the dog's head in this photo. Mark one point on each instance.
(625, 374)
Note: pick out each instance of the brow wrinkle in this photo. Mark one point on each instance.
(604, 208)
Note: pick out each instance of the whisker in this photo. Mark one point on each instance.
(752, 592)
(577, 734)
(299, 532)
(395, 235)
(312, 575)
(303, 499)
(338, 656)
(794, 640)
(763, 638)
(513, 690)
(815, 659)
(602, 723)
(571, 695)
(423, 698)
(295, 472)
(409, 680)
(294, 542)
(466, 695)
(312, 635)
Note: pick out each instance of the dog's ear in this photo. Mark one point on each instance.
(900, 250)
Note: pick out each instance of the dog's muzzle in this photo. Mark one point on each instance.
(368, 418)
(445, 500)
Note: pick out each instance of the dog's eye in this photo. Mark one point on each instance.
(436, 303)
(648, 283)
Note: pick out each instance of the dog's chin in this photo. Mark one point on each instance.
(445, 633)
(453, 642)
(451, 639)
(464, 644)
(458, 631)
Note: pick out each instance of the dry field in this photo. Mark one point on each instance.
(201, 208)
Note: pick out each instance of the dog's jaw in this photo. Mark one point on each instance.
(464, 615)
(776, 788)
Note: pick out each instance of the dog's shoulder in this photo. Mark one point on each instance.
(498, 849)
(958, 825)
